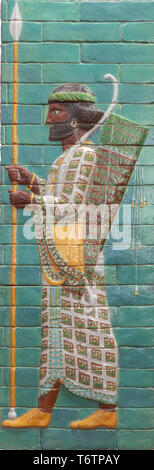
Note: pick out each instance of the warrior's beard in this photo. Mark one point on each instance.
(61, 130)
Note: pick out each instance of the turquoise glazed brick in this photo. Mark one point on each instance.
(6, 155)
(149, 215)
(3, 134)
(135, 337)
(5, 234)
(1, 376)
(58, 11)
(20, 439)
(145, 274)
(30, 32)
(4, 93)
(33, 299)
(136, 397)
(26, 73)
(29, 134)
(32, 256)
(26, 153)
(135, 72)
(140, 32)
(55, 438)
(148, 177)
(4, 10)
(110, 275)
(31, 155)
(4, 193)
(124, 295)
(4, 356)
(112, 256)
(135, 94)
(28, 396)
(114, 315)
(2, 337)
(117, 11)
(1, 296)
(4, 316)
(25, 377)
(28, 316)
(138, 358)
(79, 72)
(4, 53)
(81, 32)
(117, 53)
(61, 418)
(26, 114)
(4, 396)
(28, 275)
(143, 114)
(6, 114)
(146, 156)
(27, 357)
(51, 153)
(28, 296)
(46, 52)
(7, 72)
(25, 337)
(23, 217)
(150, 137)
(1, 255)
(136, 316)
(29, 73)
(136, 378)
(135, 440)
(135, 419)
(147, 235)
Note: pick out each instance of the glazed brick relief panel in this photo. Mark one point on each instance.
(77, 255)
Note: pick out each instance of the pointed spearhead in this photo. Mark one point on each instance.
(15, 23)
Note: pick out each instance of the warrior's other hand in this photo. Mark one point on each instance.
(19, 174)
(19, 199)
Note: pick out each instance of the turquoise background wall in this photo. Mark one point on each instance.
(79, 42)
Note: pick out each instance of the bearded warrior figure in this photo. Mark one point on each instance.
(78, 347)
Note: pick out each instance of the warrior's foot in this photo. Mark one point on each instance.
(104, 418)
(33, 418)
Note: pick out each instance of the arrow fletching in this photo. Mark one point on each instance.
(16, 23)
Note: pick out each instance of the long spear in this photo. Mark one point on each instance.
(15, 30)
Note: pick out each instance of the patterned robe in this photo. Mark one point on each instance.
(78, 345)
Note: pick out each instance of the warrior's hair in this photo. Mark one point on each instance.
(86, 113)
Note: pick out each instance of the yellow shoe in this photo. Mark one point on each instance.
(33, 418)
(104, 418)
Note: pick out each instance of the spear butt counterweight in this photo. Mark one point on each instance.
(15, 30)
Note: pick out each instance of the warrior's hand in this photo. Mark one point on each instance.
(20, 199)
(20, 175)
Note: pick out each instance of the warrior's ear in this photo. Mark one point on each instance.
(73, 123)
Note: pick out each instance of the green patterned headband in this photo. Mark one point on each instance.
(72, 96)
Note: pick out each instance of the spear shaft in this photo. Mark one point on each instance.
(13, 241)
(15, 29)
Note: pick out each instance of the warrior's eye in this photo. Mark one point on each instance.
(56, 112)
